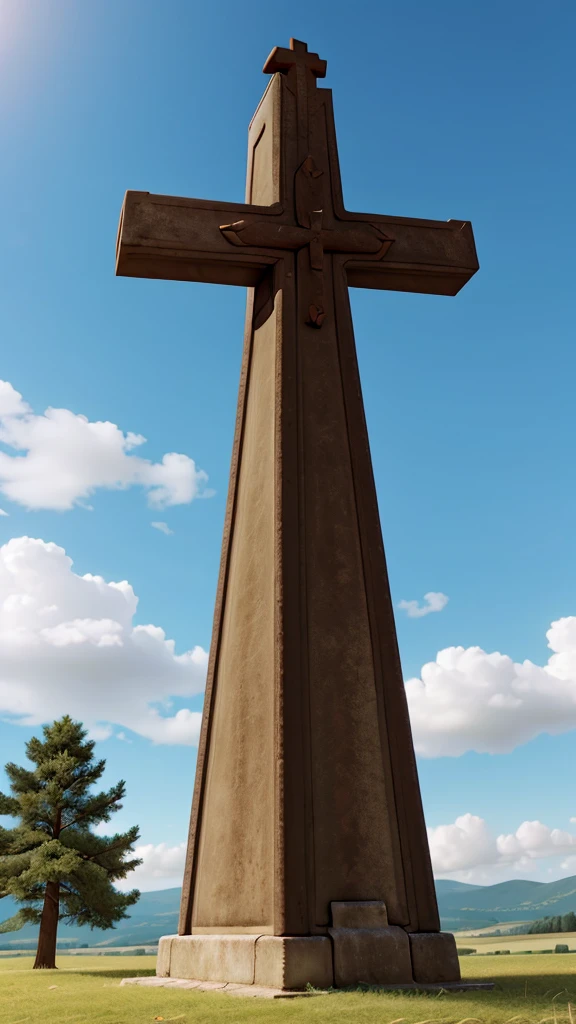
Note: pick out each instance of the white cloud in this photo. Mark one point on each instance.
(68, 645)
(434, 602)
(534, 840)
(3, 513)
(100, 732)
(465, 850)
(471, 700)
(465, 844)
(60, 459)
(163, 527)
(162, 867)
(459, 849)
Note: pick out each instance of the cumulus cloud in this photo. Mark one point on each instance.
(68, 645)
(433, 602)
(163, 527)
(60, 458)
(162, 867)
(465, 844)
(471, 700)
(468, 844)
(3, 513)
(466, 850)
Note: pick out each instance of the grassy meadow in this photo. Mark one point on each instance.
(533, 989)
(517, 943)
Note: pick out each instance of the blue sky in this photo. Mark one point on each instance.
(442, 110)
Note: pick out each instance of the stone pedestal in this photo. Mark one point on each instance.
(434, 957)
(366, 949)
(268, 961)
(371, 956)
(361, 947)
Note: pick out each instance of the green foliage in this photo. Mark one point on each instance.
(465, 951)
(561, 947)
(53, 840)
(549, 925)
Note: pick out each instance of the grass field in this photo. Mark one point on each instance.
(85, 990)
(466, 933)
(93, 951)
(518, 943)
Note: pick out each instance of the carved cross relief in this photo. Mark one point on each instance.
(352, 238)
(194, 240)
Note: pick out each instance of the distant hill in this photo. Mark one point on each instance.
(444, 885)
(461, 906)
(155, 914)
(516, 900)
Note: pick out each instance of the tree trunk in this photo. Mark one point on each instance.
(46, 952)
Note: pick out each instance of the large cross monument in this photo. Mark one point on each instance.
(307, 858)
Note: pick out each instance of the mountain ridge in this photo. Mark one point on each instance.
(461, 905)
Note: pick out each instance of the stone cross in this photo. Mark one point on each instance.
(308, 858)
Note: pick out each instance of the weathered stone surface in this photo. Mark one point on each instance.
(305, 685)
(306, 788)
(292, 962)
(262, 992)
(239, 801)
(434, 957)
(359, 914)
(250, 991)
(163, 958)
(374, 956)
(214, 958)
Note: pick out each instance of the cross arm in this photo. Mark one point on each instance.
(180, 239)
(430, 256)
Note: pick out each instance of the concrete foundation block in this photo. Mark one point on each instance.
(292, 962)
(213, 958)
(434, 957)
(374, 956)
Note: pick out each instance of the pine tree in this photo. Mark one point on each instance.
(51, 861)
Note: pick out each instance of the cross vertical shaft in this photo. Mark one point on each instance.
(334, 834)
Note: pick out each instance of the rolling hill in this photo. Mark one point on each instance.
(516, 900)
(461, 906)
(155, 914)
